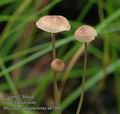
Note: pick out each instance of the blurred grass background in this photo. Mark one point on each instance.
(25, 54)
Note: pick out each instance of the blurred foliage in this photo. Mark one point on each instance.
(25, 51)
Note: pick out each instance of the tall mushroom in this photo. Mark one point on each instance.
(54, 24)
(84, 34)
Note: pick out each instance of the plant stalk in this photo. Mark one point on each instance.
(55, 86)
(53, 46)
(83, 82)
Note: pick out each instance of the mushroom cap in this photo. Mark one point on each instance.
(57, 65)
(53, 24)
(85, 33)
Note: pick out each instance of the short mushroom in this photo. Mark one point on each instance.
(85, 34)
(57, 65)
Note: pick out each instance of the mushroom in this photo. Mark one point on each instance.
(54, 24)
(57, 65)
(85, 34)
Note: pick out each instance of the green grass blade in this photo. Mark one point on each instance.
(38, 54)
(90, 83)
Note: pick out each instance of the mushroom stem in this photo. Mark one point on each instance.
(55, 86)
(83, 82)
(56, 92)
(53, 45)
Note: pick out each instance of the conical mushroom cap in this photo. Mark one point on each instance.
(53, 24)
(85, 33)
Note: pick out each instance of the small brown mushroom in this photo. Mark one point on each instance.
(53, 24)
(85, 33)
(57, 65)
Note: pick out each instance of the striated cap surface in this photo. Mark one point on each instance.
(53, 24)
(85, 33)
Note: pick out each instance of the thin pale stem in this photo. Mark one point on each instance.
(56, 93)
(83, 82)
(53, 46)
(55, 86)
